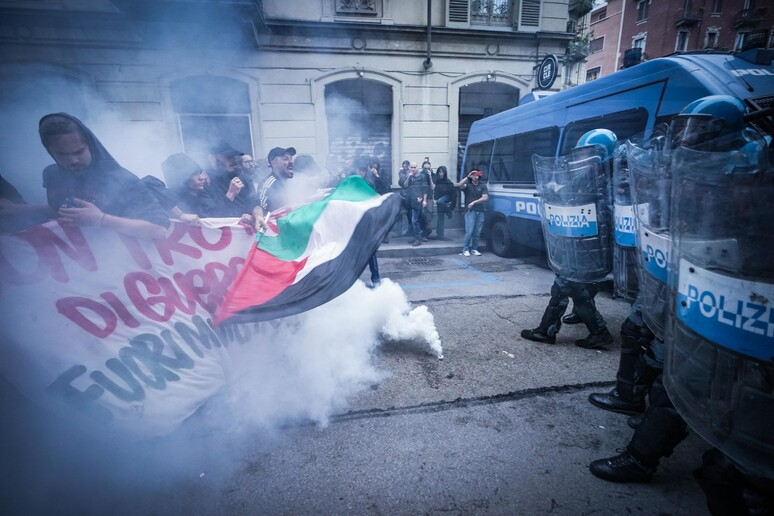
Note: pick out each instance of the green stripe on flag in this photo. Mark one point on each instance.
(296, 228)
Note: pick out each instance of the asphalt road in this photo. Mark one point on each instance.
(500, 425)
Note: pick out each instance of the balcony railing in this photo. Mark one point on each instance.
(577, 50)
(749, 17)
(579, 8)
(689, 18)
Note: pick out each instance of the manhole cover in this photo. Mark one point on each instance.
(423, 262)
(494, 267)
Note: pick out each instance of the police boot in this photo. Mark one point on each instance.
(599, 336)
(599, 340)
(551, 322)
(628, 396)
(538, 335)
(661, 430)
(622, 468)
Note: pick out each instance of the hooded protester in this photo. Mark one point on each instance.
(86, 186)
(445, 194)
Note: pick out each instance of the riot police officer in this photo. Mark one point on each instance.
(708, 141)
(575, 203)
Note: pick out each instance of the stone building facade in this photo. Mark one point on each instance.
(329, 77)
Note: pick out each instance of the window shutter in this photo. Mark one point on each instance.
(529, 15)
(458, 13)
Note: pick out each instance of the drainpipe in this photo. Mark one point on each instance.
(620, 33)
(428, 63)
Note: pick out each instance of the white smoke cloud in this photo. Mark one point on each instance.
(302, 369)
(309, 366)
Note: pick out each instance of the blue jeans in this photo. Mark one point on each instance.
(416, 223)
(474, 223)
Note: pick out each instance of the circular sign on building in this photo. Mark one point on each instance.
(547, 72)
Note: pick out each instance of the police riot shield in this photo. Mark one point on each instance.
(626, 259)
(650, 193)
(575, 213)
(720, 364)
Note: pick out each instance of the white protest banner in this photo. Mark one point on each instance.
(117, 328)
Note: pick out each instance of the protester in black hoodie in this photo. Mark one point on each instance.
(445, 194)
(87, 187)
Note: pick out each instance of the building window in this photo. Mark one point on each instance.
(601, 15)
(210, 109)
(717, 6)
(639, 43)
(490, 12)
(592, 74)
(522, 15)
(711, 41)
(682, 41)
(741, 37)
(597, 45)
(642, 10)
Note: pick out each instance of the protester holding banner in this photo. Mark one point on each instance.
(15, 214)
(87, 187)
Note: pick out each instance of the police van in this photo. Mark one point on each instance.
(629, 102)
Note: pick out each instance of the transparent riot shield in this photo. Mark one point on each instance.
(650, 193)
(575, 212)
(626, 259)
(720, 365)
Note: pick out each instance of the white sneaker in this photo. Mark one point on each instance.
(465, 253)
(475, 252)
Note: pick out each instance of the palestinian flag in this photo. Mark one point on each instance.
(310, 255)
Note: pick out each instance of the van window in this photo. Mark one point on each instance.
(624, 124)
(478, 157)
(512, 157)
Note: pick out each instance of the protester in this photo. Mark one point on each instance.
(427, 172)
(231, 192)
(273, 192)
(417, 189)
(380, 183)
(248, 164)
(405, 208)
(371, 176)
(476, 199)
(186, 196)
(445, 194)
(15, 213)
(87, 187)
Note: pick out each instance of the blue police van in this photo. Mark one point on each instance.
(629, 102)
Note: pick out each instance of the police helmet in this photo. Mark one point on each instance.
(707, 119)
(604, 137)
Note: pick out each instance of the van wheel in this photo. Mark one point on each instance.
(500, 239)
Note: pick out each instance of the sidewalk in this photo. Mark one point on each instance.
(400, 246)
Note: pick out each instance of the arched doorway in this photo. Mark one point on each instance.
(359, 114)
(478, 100)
